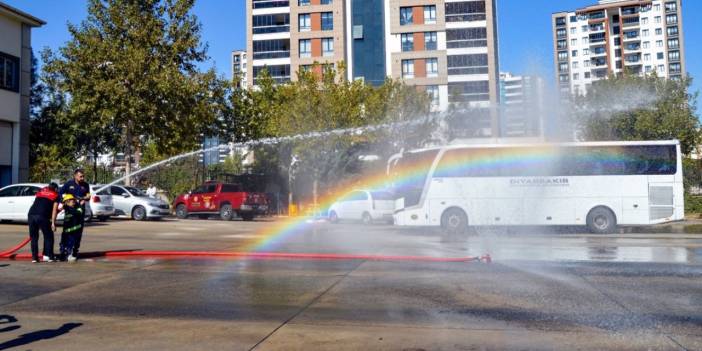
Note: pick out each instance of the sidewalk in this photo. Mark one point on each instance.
(687, 226)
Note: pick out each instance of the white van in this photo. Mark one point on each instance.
(364, 205)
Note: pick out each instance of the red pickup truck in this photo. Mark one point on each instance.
(225, 199)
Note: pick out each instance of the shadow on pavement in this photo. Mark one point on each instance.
(29, 338)
(7, 319)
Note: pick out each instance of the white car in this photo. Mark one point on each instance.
(133, 202)
(16, 199)
(364, 205)
(101, 203)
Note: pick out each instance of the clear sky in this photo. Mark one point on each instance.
(524, 28)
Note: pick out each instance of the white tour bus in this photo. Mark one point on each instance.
(598, 184)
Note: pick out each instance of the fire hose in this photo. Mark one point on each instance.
(11, 254)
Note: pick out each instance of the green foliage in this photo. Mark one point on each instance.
(693, 204)
(670, 115)
(321, 99)
(174, 178)
(130, 71)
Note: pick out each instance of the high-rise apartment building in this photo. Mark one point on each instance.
(446, 47)
(522, 109)
(239, 68)
(614, 36)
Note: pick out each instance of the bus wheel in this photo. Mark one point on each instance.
(454, 221)
(333, 217)
(601, 220)
(366, 218)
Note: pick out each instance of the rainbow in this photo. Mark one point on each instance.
(478, 161)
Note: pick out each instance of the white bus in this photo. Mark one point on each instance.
(598, 184)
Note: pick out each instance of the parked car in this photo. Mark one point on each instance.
(224, 199)
(101, 203)
(133, 202)
(16, 199)
(364, 205)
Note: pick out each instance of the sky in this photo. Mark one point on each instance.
(524, 27)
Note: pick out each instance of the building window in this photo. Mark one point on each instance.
(659, 31)
(275, 23)
(267, 49)
(562, 56)
(469, 91)
(673, 44)
(648, 69)
(659, 43)
(586, 52)
(406, 16)
(671, 19)
(671, 7)
(562, 44)
(468, 64)
(644, 33)
(305, 22)
(430, 41)
(327, 21)
(325, 2)
(432, 67)
(563, 67)
(575, 65)
(305, 48)
(467, 11)
(466, 38)
(573, 42)
(658, 19)
(574, 53)
(576, 76)
(430, 14)
(327, 46)
(675, 68)
(561, 33)
(573, 19)
(646, 44)
(657, 7)
(305, 68)
(303, 2)
(433, 91)
(647, 57)
(643, 20)
(263, 4)
(672, 31)
(279, 73)
(661, 69)
(587, 75)
(573, 30)
(584, 28)
(407, 41)
(586, 63)
(407, 68)
(9, 72)
(674, 56)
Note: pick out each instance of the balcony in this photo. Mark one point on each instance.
(595, 28)
(632, 47)
(632, 60)
(598, 63)
(629, 36)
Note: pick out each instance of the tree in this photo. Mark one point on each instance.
(51, 150)
(630, 107)
(130, 69)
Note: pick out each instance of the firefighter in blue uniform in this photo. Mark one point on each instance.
(80, 190)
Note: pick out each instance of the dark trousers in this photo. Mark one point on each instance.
(35, 224)
(70, 242)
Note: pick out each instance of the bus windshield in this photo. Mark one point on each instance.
(410, 173)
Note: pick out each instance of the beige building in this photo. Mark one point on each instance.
(239, 68)
(15, 76)
(613, 36)
(446, 47)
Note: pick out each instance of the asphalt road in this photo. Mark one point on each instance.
(544, 290)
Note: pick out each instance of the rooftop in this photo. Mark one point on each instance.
(21, 16)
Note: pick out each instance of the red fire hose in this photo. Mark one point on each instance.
(10, 254)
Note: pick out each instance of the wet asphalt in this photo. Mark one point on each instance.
(546, 289)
